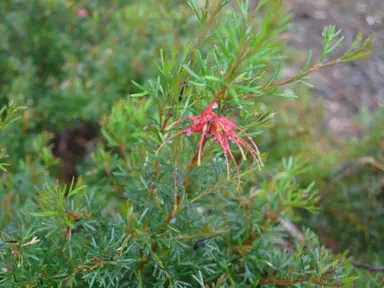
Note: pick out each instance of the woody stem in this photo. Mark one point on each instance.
(194, 163)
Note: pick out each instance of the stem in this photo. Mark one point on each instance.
(194, 163)
(292, 282)
(294, 78)
(368, 267)
(211, 191)
(207, 234)
(208, 25)
(167, 117)
(173, 211)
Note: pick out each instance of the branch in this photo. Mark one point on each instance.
(353, 165)
(292, 282)
(294, 78)
(368, 267)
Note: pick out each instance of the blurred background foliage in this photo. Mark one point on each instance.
(71, 61)
(64, 65)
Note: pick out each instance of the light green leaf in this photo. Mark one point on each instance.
(45, 214)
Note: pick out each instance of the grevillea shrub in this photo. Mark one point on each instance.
(175, 194)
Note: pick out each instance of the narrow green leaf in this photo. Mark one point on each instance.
(355, 43)
(159, 68)
(357, 56)
(68, 223)
(260, 4)
(162, 57)
(197, 84)
(234, 93)
(77, 190)
(3, 109)
(138, 85)
(368, 42)
(243, 7)
(199, 279)
(309, 61)
(338, 42)
(275, 75)
(109, 138)
(305, 83)
(224, 3)
(2, 165)
(325, 43)
(142, 216)
(142, 94)
(192, 73)
(45, 214)
(192, 4)
(293, 96)
(213, 78)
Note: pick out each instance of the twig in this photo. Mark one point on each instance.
(349, 166)
(294, 78)
(292, 230)
(293, 282)
(368, 267)
(193, 164)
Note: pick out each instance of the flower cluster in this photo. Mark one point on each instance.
(211, 125)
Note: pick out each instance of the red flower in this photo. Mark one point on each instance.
(82, 12)
(211, 125)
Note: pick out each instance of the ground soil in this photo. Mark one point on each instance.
(347, 87)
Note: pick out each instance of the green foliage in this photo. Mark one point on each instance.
(348, 172)
(63, 66)
(7, 117)
(140, 219)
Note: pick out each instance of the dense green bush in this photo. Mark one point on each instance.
(63, 66)
(137, 218)
(349, 175)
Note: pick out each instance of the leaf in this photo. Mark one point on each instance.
(77, 190)
(293, 96)
(109, 137)
(142, 94)
(325, 43)
(338, 42)
(142, 216)
(243, 6)
(199, 279)
(260, 4)
(357, 56)
(45, 214)
(213, 78)
(192, 4)
(368, 42)
(68, 223)
(309, 61)
(355, 43)
(203, 70)
(2, 165)
(305, 83)
(275, 75)
(192, 73)
(234, 93)
(138, 85)
(224, 3)
(162, 57)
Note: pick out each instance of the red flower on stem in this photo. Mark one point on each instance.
(211, 125)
